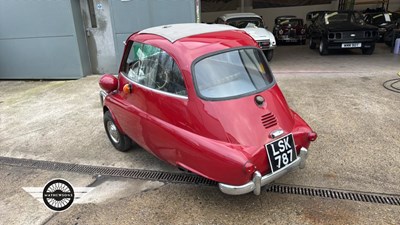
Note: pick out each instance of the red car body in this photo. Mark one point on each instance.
(225, 139)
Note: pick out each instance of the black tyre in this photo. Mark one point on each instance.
(269, 54)
(303, 42)
(312, 44)
(323, 47)
(368, 51)
(388, 38)
(120, 141)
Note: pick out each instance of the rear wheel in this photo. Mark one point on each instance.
(323, 48)
(120, 141)
(312, 44)
(303, 42)
(388, 38)
(368, 51)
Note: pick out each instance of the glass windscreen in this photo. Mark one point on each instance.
(245, 22)
(231, 74)
(291, 22)
(336, 17)
(384, 18)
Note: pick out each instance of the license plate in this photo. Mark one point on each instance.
(281, 152)
(351, 45)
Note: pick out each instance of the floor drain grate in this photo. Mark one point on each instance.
(336, 194)
(187, 178)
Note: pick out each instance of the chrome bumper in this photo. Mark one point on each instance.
(259, 181)
(287, 38)
(103, 95)
(272, 47)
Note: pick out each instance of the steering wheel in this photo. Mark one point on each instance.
(161, 78)
(134, 65)
(134, 68)
(152, 71)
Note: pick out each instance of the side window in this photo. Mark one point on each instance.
(132, 61)
(177, 82)
(154, 68)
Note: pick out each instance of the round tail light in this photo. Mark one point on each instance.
(312, 136)
(249, 168)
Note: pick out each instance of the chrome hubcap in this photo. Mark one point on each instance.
(113, 131)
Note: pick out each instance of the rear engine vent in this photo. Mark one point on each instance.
(268, 120)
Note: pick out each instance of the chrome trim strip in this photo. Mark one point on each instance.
(155, 90)
(269, 48)
(258, 181)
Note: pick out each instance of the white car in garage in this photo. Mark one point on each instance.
(254, 26)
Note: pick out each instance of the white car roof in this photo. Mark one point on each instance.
(238, 15)
(174, 32)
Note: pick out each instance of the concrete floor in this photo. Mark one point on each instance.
(339, 95)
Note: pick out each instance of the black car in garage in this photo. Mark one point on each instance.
(342, 30)
(385, 21)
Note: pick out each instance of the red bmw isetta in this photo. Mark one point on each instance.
(203, 98)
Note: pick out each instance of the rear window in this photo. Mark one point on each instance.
(232, 74)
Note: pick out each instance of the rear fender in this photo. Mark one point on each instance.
(301, 132)
(216, 160)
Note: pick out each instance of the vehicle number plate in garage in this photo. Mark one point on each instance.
(351, 45)
(281, 152)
